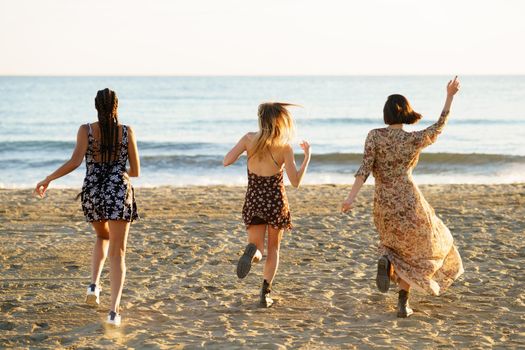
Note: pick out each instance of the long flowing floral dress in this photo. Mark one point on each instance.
(417, 243)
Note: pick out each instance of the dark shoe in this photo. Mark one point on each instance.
(383, 274)
(266, 300)
(404, 309)
(245, 262)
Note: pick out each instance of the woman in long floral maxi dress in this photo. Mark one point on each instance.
(418, 249)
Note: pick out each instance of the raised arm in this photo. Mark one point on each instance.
(296, 176)
(133, 154)
(234, 154)
(73, 163)
(429, 135)
(362, 173)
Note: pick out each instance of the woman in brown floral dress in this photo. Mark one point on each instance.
(418, 249)
(266, 205)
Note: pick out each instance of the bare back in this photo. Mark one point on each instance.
(267, 164)
(96, 136)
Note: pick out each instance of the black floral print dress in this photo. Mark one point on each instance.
(107, 193)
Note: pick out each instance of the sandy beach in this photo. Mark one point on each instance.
(181, 288)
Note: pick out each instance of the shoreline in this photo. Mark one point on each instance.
(181, 288)
(288, 186)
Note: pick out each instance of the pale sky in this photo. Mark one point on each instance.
(271, 37)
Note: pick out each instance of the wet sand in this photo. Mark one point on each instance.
(182, 291)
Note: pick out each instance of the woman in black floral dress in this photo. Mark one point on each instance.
(108, 199)
(266, 206)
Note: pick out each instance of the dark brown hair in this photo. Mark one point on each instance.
(106, 103)
(397, 110)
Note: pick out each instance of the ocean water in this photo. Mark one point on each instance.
(185, 125)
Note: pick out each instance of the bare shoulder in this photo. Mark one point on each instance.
(83, 129)
(95, 126)
(130, 129)
(286, 149)
(249, 138)
(83, 134)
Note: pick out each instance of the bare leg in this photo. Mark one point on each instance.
(100, 250)
(118, 236)
(403, 285)
(256, 236)
(272, 258)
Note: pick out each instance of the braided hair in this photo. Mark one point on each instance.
(106, 103)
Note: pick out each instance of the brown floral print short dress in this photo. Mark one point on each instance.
(266, 201)
(417, 243)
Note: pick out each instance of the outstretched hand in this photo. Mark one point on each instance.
(347, 205)
(41, 188)
(453, 86)
(305, 146)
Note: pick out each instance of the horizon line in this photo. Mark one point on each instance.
(250, 75)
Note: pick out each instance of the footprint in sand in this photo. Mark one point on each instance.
(7, 326)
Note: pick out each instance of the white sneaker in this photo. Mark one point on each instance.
(93, 295)
(114, 319)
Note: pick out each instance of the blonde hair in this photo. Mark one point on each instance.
(276, 126)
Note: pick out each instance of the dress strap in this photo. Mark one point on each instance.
(89, 152)
(123, 155)
(274, 161)
(124, 134)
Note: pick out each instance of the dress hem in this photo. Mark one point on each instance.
(434, 288)
(287, 227)
(118, 219)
